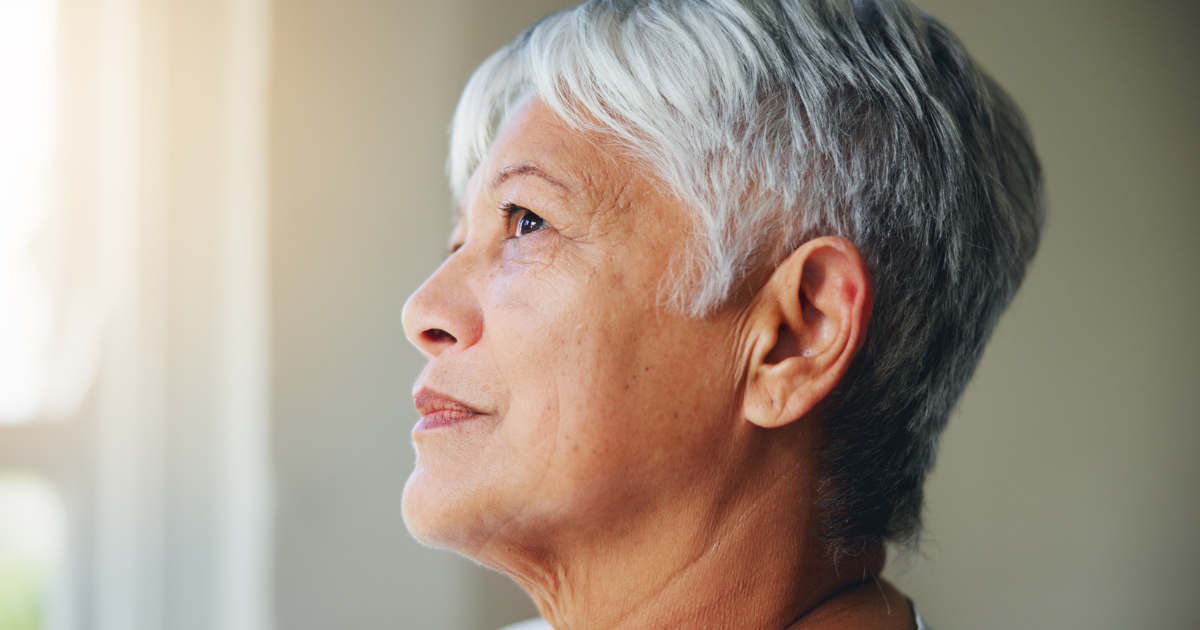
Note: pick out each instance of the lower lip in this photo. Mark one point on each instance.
(443, 419)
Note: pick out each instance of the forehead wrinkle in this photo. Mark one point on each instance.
(606, 181)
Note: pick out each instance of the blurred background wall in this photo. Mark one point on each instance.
(1068, 490)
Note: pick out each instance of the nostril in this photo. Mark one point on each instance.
(438, 336)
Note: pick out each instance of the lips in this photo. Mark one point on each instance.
(438, 410)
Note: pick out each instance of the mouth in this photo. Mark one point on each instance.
(440, 411)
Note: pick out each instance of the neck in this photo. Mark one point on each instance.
(750, 557)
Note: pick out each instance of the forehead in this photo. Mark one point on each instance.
(575, 164)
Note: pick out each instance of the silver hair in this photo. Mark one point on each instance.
(778, 121)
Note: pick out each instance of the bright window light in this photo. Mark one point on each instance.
(27, 122)
(32, 535)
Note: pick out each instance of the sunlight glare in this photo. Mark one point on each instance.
(27, 121)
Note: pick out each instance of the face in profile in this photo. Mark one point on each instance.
(562, 397)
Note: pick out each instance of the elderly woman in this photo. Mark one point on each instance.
(720, 271)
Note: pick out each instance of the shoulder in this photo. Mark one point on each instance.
(921, 625)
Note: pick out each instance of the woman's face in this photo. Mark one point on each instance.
(562, 400)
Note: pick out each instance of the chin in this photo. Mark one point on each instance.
(428, 516)
(448, 513)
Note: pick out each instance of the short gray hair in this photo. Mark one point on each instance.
(778, 121)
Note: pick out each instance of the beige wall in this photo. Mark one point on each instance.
(1068, 493)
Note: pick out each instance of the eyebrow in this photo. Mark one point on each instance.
(524, 169)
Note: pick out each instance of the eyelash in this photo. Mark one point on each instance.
(514, 212)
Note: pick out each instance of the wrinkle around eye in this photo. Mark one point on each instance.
(536, 248)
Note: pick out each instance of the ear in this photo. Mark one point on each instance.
(805, 326)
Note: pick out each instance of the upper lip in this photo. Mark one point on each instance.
(428, 401)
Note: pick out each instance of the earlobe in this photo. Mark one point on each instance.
(808, 321)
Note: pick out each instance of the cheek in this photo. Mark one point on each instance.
(607, 393)
(563, 339)
(537, 315)
(612, 405)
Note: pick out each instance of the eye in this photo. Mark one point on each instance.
(522, 221)
(529, 222)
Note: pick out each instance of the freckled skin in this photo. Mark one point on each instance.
(613, 472)
(580, 300)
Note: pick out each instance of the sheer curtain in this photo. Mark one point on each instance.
(133, 303)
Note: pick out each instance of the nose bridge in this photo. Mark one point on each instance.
(444, 311)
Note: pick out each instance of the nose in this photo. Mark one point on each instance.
(443, 313)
